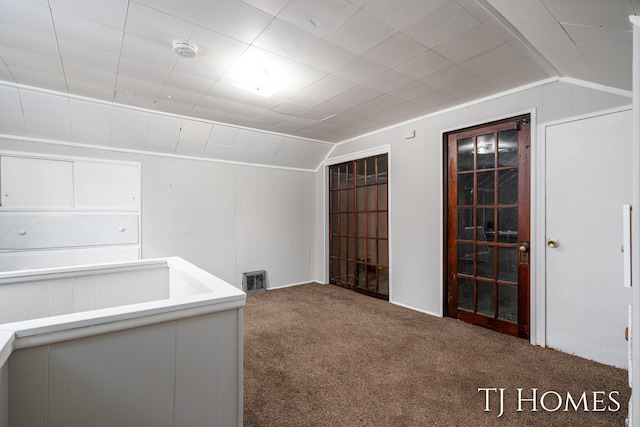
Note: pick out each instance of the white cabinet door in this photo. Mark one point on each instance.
(105, 185)
(588, 179)
(28, 182)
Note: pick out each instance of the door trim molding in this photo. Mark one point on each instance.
(539, 290)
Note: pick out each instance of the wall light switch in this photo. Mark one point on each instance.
(410, 134)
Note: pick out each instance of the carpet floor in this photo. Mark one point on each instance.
(320, 355)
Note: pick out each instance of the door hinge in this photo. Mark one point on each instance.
(521, 122)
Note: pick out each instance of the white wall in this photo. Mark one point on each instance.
(225, 218)
(416, 187)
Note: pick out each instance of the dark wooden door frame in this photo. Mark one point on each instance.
(522, 329)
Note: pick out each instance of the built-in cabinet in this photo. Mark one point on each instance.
(58, 211)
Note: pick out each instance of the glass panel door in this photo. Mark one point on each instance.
(358, 226)
(488, 225)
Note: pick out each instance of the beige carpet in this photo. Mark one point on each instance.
(320, 355)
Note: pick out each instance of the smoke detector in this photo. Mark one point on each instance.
(184, 48)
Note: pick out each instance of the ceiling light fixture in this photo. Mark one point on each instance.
(184, 48)
(259, 73)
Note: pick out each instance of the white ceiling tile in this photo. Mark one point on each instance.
(569, 60)
(291, 108)
(352, 97)
(44, 105)
(223, 135)
(469, 44)
(401, 13)
(317, 16)
(129, 140)
(322, 90)
(533, 10)
(514, 70)
(467, 89)
(435, 99)
(495, 58)
(444, 23)
(195, 131)
(286, 39)
(374, 106)
(45, 128)
(595, 13)
(185, 10)
(601, 38)
(24, 39)
(262, 157)
(361, 32)
(413, 90)
(360, 70)
(12, 124)
(151, 52)
(26, 15)
(326, 56)
(395, 50)
(551, 32)
(172, 107)
(10, 100)
(247, 139)
(378, 43)
(239, 154)
(216, 54)
(96, 37)
(168, 126)
(272, 7)
(89, 113)
(126, 119)
(172, 94)
(80, 74)
(95, 89)
(87, 58)
(89, 134)
(269, 143)
(190, 148)
(111, 13)
(447, 77)
(389, 81)
(214, 151)
(156, 25)
(145, 91)
(424, 64)
(235, 19)
(210, 114)
(161, 143)
(615, 76)
(43, 77)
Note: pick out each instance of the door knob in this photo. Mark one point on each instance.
(524, 247)
(553, 243)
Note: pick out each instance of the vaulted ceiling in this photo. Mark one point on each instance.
(339, 68)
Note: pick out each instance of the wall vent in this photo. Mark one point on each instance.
(254, 282)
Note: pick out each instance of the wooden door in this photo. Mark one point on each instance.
(358, 226)
(487, 225)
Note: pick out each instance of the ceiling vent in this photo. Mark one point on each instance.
(184, 48)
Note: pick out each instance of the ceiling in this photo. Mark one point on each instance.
(343, 67)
